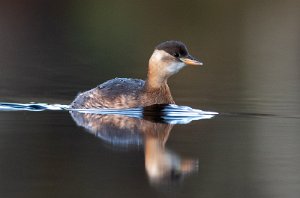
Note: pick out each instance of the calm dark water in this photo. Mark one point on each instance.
(51, 50)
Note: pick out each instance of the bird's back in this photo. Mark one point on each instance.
(116, 93)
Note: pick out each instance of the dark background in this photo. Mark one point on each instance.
(50, 50)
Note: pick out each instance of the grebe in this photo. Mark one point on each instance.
(167, 59)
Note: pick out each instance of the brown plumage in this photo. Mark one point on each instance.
(119, 93)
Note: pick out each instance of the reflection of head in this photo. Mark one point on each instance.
(161, 164)
(164, 166)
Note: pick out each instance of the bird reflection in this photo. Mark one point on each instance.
(162, 165)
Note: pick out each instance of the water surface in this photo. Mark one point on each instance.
(51, 50)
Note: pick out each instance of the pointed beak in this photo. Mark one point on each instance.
(189, 60)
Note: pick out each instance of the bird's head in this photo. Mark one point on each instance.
(169, 58)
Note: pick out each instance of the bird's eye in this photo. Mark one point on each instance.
(176, 54)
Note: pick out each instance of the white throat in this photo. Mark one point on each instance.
(166, 63)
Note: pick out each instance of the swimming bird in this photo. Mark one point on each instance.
(167, 59)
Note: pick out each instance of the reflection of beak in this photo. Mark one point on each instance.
(189, 60)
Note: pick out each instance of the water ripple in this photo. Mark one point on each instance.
(4, 106)
(172, 114)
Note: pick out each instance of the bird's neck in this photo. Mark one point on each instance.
(154, 82)
(156, 87)
(155, 77)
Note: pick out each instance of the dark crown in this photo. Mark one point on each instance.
(174, 48)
